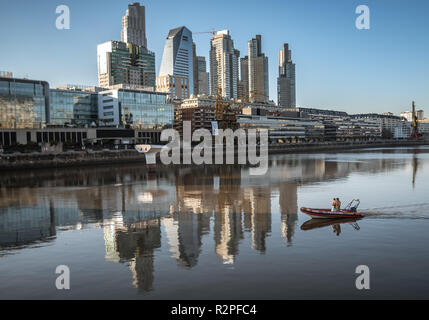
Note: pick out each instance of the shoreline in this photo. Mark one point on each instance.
(33, 161)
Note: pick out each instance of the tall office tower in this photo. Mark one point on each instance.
(134, 25)
(244, 72)
(125, 63)
(286, 88)
(258, 71)
(195, 68)
(177, 59)
(203, 76)
(224, 65)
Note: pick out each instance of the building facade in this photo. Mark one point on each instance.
(23, 103)
(199, 110)
(244, 77)
(178, 56)
(409, 115)
(286, 87)
(176, 87)
(257, 71)
(125, 63)
(203, 76)
(73, 107)
(134, 25)
(135, 108)
(224, 65)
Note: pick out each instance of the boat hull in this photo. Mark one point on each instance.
(328, 214)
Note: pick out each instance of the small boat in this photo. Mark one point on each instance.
(349, 212)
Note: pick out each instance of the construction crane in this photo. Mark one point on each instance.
(213, 32)
(226, 114)
(415, 135)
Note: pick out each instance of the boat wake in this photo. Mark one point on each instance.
(410, 211)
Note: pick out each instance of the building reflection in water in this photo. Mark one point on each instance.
(135, 207)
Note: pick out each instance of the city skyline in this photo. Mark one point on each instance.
(352, 70)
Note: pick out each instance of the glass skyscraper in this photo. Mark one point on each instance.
(23, 103)
(177, 59)
(286, 87)
(125, 63)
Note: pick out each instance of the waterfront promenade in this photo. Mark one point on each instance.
(19, 161)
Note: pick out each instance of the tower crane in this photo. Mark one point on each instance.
(213, 32)
(415, 135)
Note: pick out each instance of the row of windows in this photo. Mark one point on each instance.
(75, 137)
(7, 138)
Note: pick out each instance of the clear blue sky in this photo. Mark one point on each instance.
(338, 66)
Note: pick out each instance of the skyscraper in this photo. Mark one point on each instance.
(177, 59)
(286, 89)
(224, 65)
(134, 25)
(258, 71)
(195, 67)
(244, 75)
(203, 75)
(126, 63)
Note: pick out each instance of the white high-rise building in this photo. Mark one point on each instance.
(134, 25)
(177, 59)
(224, 65)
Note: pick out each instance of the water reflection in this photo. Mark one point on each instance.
(334, 223)
(136, 208)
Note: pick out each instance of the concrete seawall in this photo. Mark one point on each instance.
(20, 161)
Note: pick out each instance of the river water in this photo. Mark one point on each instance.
(218, 232)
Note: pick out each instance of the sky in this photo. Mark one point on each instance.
(338, 66)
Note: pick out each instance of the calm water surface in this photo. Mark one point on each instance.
(219, 233)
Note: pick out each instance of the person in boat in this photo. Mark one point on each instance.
(334, 205)
(338, 204)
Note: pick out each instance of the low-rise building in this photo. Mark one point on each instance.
(282, 129)
(24, 103)
(409, 115)
(387, 122)
(73, 107)
(135, 108)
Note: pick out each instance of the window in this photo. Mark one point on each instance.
(6, 139)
